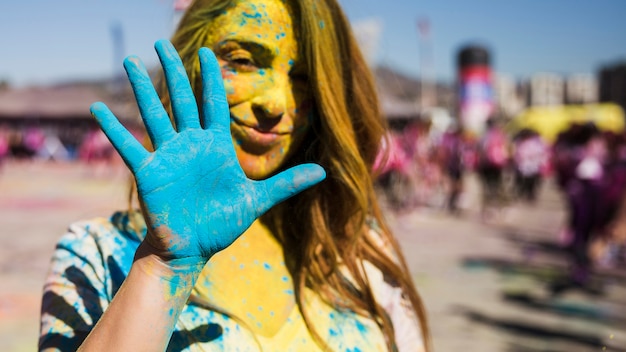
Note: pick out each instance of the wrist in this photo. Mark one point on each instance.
(180, 270)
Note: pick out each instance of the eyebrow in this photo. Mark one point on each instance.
(258, 47)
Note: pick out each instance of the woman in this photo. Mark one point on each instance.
(216, 260)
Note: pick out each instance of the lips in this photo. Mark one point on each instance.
(253, 136)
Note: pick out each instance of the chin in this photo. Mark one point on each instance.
(258, 167)
(256, 174)
(259, 164)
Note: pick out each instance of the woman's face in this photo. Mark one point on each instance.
(265, 81)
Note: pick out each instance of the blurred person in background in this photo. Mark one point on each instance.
(395, 172)
(24, 144)
(4, 145)
(229, 250)
(450, 157)
(421, 153)
(492, 159)
(585, 195)
(566, 151)
(607, 247)
(34, 141)
(531, 156)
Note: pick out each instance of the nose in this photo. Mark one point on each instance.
(270, 103)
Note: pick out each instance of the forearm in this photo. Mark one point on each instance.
(144, 312)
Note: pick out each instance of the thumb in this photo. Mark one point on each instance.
(292, 181)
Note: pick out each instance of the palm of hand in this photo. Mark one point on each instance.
(197, 191)
(196, 198)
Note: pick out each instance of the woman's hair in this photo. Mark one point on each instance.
(325, 231)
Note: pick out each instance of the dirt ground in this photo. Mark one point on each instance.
(37, 202)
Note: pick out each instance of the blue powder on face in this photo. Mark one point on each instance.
(360, 326)
(255, 15)
(321, 24)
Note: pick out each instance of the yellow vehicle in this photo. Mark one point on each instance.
(549, 121)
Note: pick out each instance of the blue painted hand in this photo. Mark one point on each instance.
(196, 198)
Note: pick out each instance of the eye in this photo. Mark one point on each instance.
(241, 61)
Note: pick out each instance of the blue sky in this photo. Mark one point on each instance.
(47, 41)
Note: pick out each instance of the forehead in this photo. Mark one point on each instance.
(263, 17)
(266, 25)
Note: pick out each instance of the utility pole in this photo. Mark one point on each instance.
(427, 82)
(117, 37)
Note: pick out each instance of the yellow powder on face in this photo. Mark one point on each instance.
(267, 93)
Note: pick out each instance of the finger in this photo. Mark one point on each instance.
(184, 105)
(154, 116)
(129, 148)
(214, 103)
(291, 182)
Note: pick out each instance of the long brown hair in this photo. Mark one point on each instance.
(327, 227)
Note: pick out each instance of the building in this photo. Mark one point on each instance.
(57, 118)
(581, 89)
(613, 84)
(546, 89)
(510, 95)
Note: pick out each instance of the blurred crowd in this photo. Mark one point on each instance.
(422, 167)
(36, 143)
